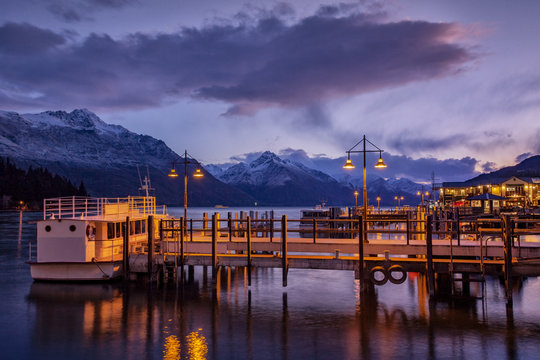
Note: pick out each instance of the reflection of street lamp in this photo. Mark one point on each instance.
(356, 198)
(378, 204)
(380, 164)
(198, 174)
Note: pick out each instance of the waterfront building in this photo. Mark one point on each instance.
(516, 191)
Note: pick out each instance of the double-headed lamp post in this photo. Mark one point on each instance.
(422, 193)
(349, 165)
(187, 160)
(398, 199)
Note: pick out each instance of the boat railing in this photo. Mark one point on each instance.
(89, 207)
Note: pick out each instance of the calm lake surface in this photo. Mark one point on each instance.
(318, 316)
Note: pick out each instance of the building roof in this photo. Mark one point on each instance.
(491, 181)
(487, 196)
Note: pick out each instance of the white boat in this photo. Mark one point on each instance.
(82, 238)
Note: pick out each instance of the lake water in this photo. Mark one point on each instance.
(318, 316)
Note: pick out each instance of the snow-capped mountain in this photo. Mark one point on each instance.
(79, 137)
(80, 146)
(274, 181)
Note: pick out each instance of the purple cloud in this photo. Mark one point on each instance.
(250, 66)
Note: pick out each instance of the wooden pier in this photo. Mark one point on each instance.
(393, 246)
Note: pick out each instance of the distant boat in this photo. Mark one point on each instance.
(221, 207)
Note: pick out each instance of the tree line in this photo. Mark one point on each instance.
(28, 188)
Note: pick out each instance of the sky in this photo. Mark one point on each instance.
(445, 86)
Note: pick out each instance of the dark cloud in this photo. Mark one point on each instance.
(26, 40)
(523, 156)
(489, 166)
(75, 11)
(399, 166)
(263, 64)
(66, 13)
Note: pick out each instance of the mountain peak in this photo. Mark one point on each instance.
(82, 118)
(265, 158)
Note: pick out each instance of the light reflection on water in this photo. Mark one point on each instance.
(319, 315)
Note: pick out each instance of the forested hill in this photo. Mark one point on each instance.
(32, 186)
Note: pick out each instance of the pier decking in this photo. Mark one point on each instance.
(376, 249)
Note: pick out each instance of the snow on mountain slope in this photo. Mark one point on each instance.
(270, 170)
(79, 137)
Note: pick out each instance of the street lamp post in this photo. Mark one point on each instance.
(378, 204)
(349, 165)
(398, 198)
(187, 160)
(355, 199)
(421, 193)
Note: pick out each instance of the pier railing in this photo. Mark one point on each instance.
(89, 207)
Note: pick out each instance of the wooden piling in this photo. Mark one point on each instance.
(214, 244)
(150, 229)
(249, 250)
(125, 251)
(314, 231)
(429, 256)
(229, 225)
(182, 245)
(284, 264)
(361, 264)
(408, 213)
(507, 223)
(271, 224)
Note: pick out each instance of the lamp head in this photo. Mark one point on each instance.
(380, 163)
(173, 173)
(198, 173)
(348, 163)
(355, 192)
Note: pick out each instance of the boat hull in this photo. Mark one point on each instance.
(75, 271)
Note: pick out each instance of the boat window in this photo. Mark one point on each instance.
(138, 227)
(143, 226)
(72, 228)
(118, 230)
(48, 228)
(110, 231)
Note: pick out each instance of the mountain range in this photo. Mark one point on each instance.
(80, 146)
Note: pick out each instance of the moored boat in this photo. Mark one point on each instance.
(83, 239)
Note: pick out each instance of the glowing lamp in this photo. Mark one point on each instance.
(380, 164)
(348, 164)
(198, 173)
(173, 173)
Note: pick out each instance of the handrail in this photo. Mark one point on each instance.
(89, 207)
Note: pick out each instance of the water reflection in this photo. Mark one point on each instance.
(223, 319)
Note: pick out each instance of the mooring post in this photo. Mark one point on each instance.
(429, 256)
(271, 224)
(214, 245)
(249, 249)
(229, 225)
(125, 251)
(458, 231)
(182, 248)
(408, 213)
(314, 231)
(150, 229)
(361, 263)
(191, 229)
(507, 227)
(284, 265)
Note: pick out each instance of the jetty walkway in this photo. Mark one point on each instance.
(378, 248)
